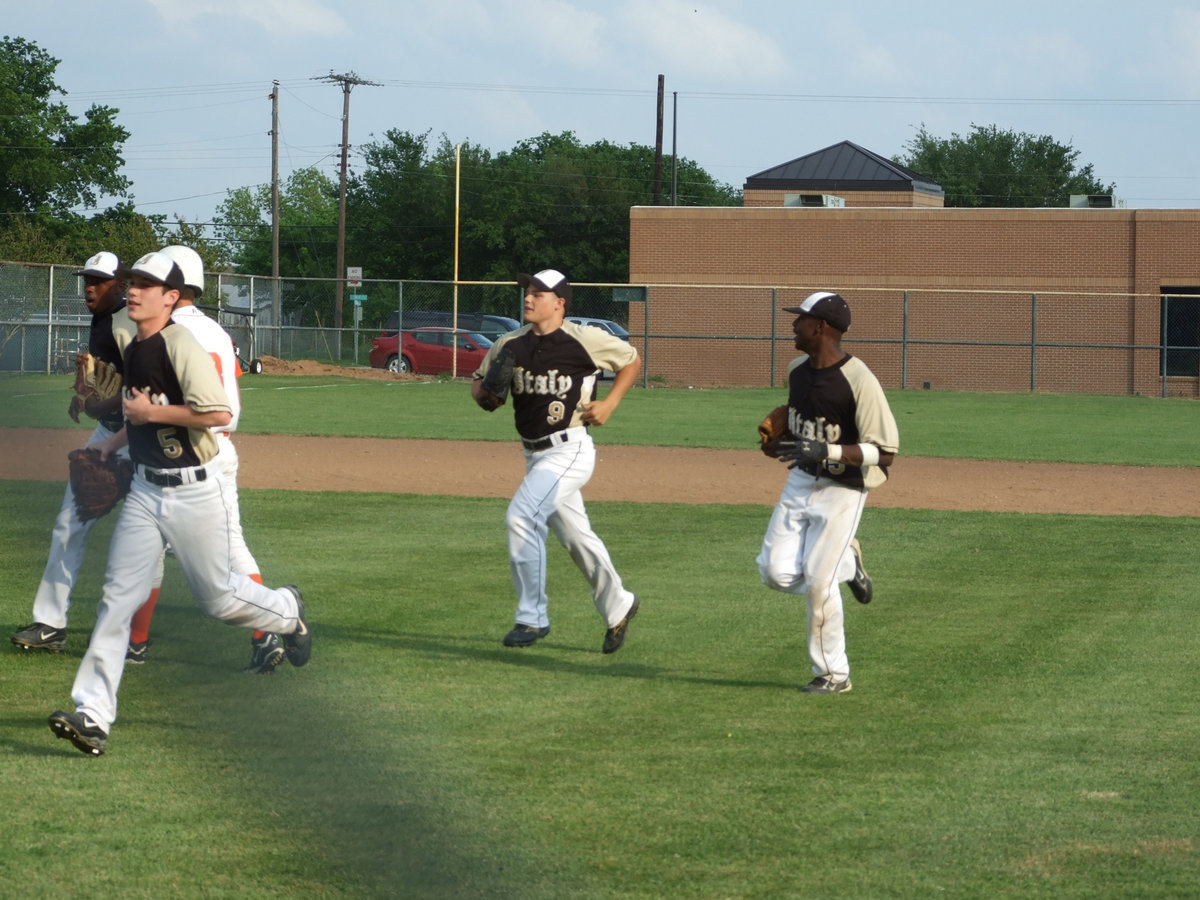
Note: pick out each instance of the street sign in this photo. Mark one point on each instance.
(353, 276)
(358, 299)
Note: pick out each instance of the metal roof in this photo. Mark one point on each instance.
(845, 166)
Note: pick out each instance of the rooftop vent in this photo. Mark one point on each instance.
(813, 200)
(1096, 201)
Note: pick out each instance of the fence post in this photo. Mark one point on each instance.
(904, 343)
(774, 330)
(1162, 353)
(50, 322)
(1033, 344)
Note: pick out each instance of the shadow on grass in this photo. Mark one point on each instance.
(546, 655)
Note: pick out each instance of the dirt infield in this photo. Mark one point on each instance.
(650, 474)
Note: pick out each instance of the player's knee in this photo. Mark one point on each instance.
(780, 580)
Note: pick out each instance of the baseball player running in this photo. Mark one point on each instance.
(845, 438)
(266, 650)
(111, 331)
(555, 366)
(173, 398)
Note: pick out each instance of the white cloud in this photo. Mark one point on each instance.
(694, 38)
(288, 18)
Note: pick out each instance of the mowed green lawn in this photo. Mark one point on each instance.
(1022, 722)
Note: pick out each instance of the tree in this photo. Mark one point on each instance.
(308, 213)
(993, 167)
(50, 162)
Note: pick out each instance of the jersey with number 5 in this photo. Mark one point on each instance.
(173, 369)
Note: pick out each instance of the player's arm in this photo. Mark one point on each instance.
(599, 411)
(853, 454)
(139, 410)
(112, 444)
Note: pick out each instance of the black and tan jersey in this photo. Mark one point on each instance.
(842, 404)
(173, 369)
(108, 337)
(555, 372)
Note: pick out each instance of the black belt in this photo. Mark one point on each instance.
(167, 479)
(553, 440)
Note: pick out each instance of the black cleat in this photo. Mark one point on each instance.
(860, 585)
(41, 637)
(823, 684)
(525, 635)
(81, 731)
(266, 654)
(137, 652)
(614, 638)
(298, 645)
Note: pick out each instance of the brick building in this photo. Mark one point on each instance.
(1055, 300)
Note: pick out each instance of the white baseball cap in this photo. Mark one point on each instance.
(102, 265)
(189, 263)
(156, 267)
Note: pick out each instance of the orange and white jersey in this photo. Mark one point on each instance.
(219, 345)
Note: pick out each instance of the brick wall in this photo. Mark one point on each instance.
(950, 280)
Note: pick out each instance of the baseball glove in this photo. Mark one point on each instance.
(84, 374)
(95, 381)
(772, 430)
(497, 380)
(97, 484)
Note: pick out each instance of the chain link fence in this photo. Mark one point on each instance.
(699, 335)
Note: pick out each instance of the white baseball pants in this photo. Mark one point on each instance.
(195, 518)
(806, 550)
(550, 498)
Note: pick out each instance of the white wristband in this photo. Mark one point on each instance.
(870, 454)
(833, 452)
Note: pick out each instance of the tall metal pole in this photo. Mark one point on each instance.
(674, 148)
(275, 300)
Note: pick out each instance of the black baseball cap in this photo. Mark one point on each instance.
(824, 305)
(547, 280)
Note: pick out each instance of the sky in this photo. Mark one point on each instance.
(749, 84)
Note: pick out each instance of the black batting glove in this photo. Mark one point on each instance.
(802, 450)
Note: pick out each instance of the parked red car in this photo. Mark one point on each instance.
(429, 351)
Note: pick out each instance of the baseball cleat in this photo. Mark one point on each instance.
(41, 637)
(614, 638)
(267, 652)
(823, 684)
(860, 585)
(297, 646)
(80, 730)
(137, 652)
(524, 635)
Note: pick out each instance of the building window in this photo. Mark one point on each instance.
(1181, 330)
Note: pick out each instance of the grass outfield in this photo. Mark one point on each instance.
(1022, 723)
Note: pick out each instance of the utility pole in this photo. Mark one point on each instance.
(275, 304)
(658, 141)
(347, 81)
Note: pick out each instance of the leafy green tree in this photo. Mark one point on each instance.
(50, 162)
(308, 214)
(995, 167)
